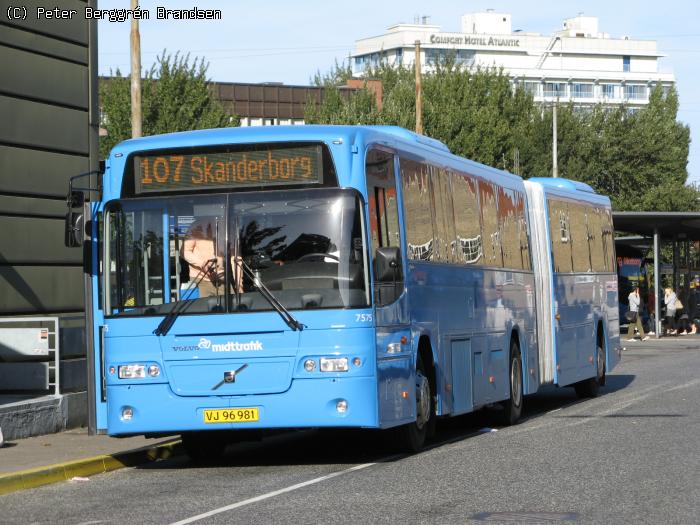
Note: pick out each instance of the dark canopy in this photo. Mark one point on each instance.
(686, 225)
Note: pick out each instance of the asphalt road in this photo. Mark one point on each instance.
(629, 456)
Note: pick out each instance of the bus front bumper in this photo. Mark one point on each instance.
(154, 408)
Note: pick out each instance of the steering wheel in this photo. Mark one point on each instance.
(319, 256)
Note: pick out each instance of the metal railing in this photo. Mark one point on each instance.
(29, 355)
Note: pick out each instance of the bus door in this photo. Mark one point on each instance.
(394, 357)
(95, 327)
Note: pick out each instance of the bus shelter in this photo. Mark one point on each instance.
(681, 230)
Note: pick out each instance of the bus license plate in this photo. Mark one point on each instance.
(231, 415)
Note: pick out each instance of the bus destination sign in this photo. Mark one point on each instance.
(228, 170)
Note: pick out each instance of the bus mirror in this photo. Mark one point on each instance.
(76, 199)
(74, 229)
(387, 264)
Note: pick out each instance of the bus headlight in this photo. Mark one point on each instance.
(132, 372)
(334, 364)
(393, 348)
(309, 365)
(154, 370)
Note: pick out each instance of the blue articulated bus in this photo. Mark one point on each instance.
(572, 233)
(326, 276)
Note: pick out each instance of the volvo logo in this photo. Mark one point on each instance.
(230, 376)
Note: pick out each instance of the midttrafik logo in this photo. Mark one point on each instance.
(230, 346)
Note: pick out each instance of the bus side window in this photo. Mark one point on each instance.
(560, 233)
(523, 237)
(579, 234)
(444, 233)
(596, 239)
(608, 240)
(417, 210)
(383, 213)
(492, 234)
(508, 218)
(469, 247)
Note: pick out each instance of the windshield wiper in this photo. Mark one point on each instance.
(274, 302)
(182, 305)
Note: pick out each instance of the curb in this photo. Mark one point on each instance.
(29, 479)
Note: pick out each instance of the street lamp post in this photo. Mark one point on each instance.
(135, 75)
(555, 163)
(419, 94)
(555, 167)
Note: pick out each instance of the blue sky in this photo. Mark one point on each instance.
(288, 41)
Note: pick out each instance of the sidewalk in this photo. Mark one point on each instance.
(32, 462)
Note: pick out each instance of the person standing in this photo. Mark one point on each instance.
(693, 307)
(651, 309)
(670, 302)
(636, 321)
(200, 252)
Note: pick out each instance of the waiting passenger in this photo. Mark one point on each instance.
(634, 317)
(670, 299)
(693, 307)
(651, 309)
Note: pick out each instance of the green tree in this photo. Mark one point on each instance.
(637, 158)
(661, 155)
(175, 97)
(337, 76)
(670, 195)
(474, 112)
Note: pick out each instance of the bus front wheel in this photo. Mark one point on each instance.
(411, 437)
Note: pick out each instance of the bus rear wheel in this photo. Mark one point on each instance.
(591, 387)
(411, 437)
(205, 446)
(512, 407)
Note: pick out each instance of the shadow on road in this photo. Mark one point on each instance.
(616, 382)
(353, 446)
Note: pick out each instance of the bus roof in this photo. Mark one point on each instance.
(274, 134)
(393, 136)
(569, 188)
(563, 184)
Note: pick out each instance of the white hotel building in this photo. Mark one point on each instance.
(578, 63)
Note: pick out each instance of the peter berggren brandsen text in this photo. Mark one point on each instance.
(123, 15)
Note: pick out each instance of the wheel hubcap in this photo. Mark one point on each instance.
(601, 364)
(422, 400)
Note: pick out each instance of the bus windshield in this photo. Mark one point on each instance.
(188, 253)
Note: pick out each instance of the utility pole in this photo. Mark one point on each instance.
(419, 100)
(135, 75)
(555, 167)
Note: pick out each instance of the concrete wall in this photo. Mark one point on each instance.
(45, 137)
(48, 133)
(45, 415)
